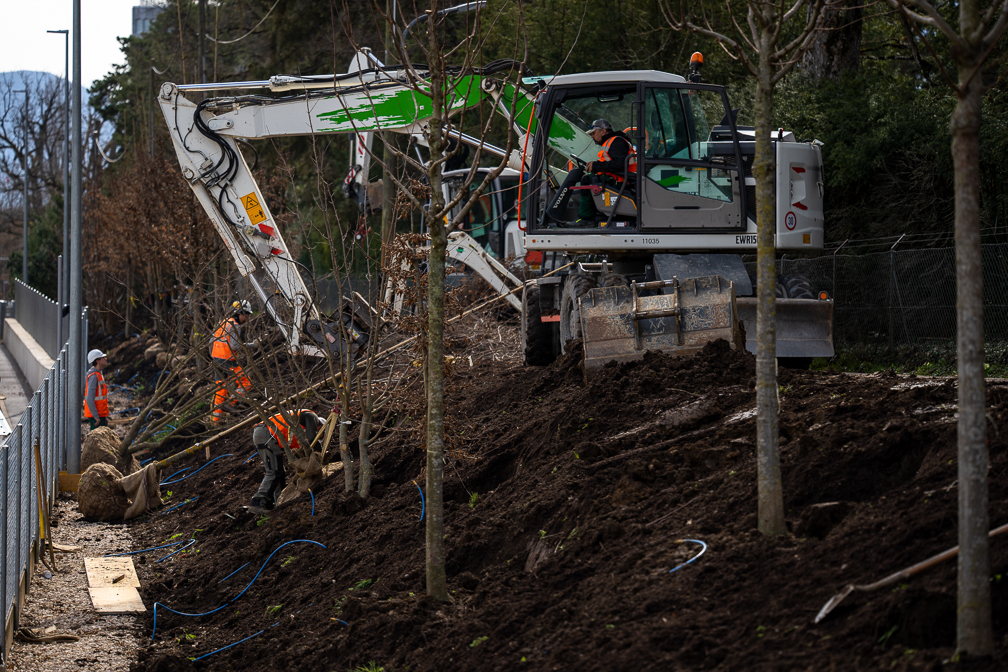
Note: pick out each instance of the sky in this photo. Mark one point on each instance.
(25, 45)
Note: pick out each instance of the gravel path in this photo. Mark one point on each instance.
(107, 643)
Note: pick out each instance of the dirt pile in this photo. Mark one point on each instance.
(565, 505)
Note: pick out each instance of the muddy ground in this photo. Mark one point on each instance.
(565, 504)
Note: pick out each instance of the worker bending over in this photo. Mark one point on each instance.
(266, 439)
(96, 408)
(226, 340)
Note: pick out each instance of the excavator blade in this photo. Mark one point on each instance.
(804, 326)
(622, 323)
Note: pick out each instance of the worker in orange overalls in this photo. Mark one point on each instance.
(267, 440)
(96, 408)
(611, 164)
(226, 340)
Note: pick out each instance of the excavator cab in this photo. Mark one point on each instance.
(682, 177)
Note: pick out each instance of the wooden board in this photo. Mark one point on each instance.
(116, 600)
(68, 482)
(102, 571)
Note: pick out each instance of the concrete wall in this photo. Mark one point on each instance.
(29, 355)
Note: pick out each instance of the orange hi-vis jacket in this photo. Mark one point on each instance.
(277, 424)
(603, 155)
(101, 398)
(221, 339)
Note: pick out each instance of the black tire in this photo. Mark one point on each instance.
(798, 287)
(613, 280)
(576, 286)
(781, 289)
(536, 335)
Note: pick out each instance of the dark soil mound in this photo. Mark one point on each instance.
(566, 505)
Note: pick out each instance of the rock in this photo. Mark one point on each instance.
(102, 447)
(153, 350)
(818, 519)
(99, 495)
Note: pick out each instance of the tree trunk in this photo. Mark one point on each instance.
(437, 585)
(974, 629)
(771, 499)
(837, 50)
(345, 448)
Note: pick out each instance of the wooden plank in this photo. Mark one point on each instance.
(102, 572)
(68, 482)
(116, 600)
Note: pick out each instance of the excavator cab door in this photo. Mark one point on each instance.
(688, 159)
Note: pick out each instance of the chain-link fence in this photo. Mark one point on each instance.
(903, 298)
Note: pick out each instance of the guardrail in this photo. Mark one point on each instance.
(40, 317)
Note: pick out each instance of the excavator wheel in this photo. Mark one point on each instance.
(536, 335)
(613, 280)
(798, 287)
(576, 286)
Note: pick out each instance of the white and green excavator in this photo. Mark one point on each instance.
(658, 267)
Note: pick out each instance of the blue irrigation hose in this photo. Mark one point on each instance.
(175, 474)
(692, 541)
(234, 572)
(205, 655)
(312, 501)
(155, 548)
(191, 499)
(195, 472)
(214, 611)
(143, 462)
(250, 457)
(423, 505)
(178, 550)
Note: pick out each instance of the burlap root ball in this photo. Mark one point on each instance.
(102, 447)
(99, 495)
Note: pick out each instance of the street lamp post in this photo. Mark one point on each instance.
(62, 299)
(24, 250)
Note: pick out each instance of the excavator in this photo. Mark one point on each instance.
(658, 267)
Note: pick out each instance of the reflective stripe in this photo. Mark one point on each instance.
(278, 422)
(603, 155)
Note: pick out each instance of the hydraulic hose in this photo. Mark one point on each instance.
(244, 590)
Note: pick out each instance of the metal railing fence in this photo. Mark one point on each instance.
(40, 317)
(46, 420)
(903, 297)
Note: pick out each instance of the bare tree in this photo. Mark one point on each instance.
(969, 47)
(769, 58)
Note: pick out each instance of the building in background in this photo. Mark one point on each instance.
(144, 15)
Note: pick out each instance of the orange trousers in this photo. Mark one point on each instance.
(242, 385)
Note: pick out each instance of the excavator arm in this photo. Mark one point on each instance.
(367, 99)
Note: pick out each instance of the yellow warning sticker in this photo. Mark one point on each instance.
(253, 208)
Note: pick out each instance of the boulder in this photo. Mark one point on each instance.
(100, 496)
(153, 350)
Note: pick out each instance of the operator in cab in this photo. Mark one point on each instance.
(266, 439)
(226, 340)
(96, 408)
(610, 165)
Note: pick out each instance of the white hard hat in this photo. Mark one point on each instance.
(239, 307)
(94, 356)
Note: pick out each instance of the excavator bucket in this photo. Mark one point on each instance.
(804, 326)
(622, 323)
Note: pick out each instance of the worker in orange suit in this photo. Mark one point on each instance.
(266, 437)
(96, 408)
(226, 340)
